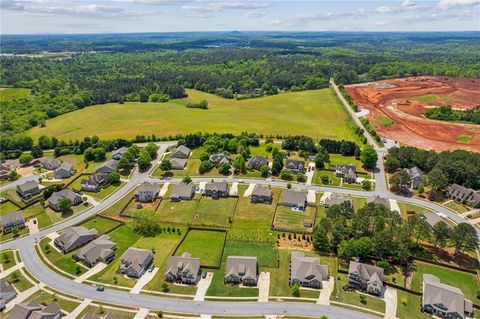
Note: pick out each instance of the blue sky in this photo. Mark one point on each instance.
(116, 16)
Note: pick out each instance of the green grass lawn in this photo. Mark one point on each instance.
(253, 221)
(18, 280)
(104, 192)
(33, 210)
(64, 262)
(215, 212)
(409, 306)
(218, 287)
(314, 113)
(21, 232)
(56, 217)
(117, 207)
(203, 244)
(9, 94)
(44, 297)
(191, 169)
(466, 282)
(7, 259)
(102, 225)
(465, 139)
(132, 209)
(460, 208)
(338, 159)
(7, 208)
(285, 218)
(395, 275)
(264, 251)
(11, 194)
(119, 314)
(426, 98)
(409, 209)
(177, 212)
(317, 178)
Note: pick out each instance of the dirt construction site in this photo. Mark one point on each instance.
(397, 108)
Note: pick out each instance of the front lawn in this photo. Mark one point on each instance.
(218, 287)
(215, 212)
(64, 262)
(18, 280)
(117, 207)
(409, 209)
(204, 244)
(7, 259)
(8, 207)
(106, 191)
(43, 297)
(409, 306)
(286, 218)
(57, 217)
(102, 225)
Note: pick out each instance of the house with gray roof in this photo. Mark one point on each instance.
(178, 163)
(118, 153)
(147, 192)
(379, 200)
(431, 218)
(241, 270)
(416, 175)
(347, 172)
(293, 198)
(108, 167)
(74, 237)
(296, 166)
(12, 220)
(181, 152)
(54, 200)
(365, 277)
(28, 189)
(48, 163)
(184, 269)
(336, 199)
(307, 271)
(65, 170)
(261, 194)
(257, 162)
(7, 293)
(134, 262)
(216, 190)
(182, 192)
(101, 249)
(94, 182)
(219, 159)
(33, 310)
(464, 195)
(443, 300)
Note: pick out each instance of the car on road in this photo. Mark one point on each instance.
(241, 181)
(100, 288)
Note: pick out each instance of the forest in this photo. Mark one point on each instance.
(446, 113)
(66, 73)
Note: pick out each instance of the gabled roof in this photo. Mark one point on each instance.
(294, 164)
(23, 310)
(12, 218)
(183, 190)
(185, 263)
(178, 162)
(307, 268)
(65, 167)
(148, 188)
(73, 234)
(136, 258)
(182, 149)
(122, 150)
(97, 249)
(28, 186)
(337, 199)
(415, 172)
(257, 160)
(64, 193)
(379, 200)
(259, 190)
(367, 272)
(294, 197)
(437, 293)
(431, 218)
(217, 186)
(110, 165)
(6, 288)
(241, 266)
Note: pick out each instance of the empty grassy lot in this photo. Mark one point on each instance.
(215, 212)
(9, 94)
(117, 207)
(204, 244)
(314, 113)
(285, 218)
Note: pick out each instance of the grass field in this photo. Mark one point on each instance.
(7, 208)
(315, 113)
(7, 260)
(215, 212)
(285, 218)
(264, 251)
(117, 207)
(18, 280)
(102, 225)
(9, 94)
(407, 209)
(204, 244)
(177, 212)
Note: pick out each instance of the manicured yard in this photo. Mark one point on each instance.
(313, 113)
(56, 217)
(33, 210)
(215, 212)
(407, 209)
(286, 218)
(264, 251)
(102, 225)
(409, 306)
(18, 280)
(119, 314)
(177, 212)
(136, 207)
(204, 244)
(253, 221)
(7, 259)
(116, 208)
(462, 280)
(460, 208)
(64, 262)
(338, 159)
(44, 297)
(12, 195)
(333, 180)
(395, 275)
(9, 94)
(218, 287)
(7, 208)
(9, 236)
(359, 202)
(102, 193)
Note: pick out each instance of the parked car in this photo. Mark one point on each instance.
(204, 274)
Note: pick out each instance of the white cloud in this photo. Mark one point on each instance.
(253, 15)
(447, 4)
(408, 4)
(234, 5)
(383, 10)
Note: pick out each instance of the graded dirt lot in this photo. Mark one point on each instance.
(397, 106)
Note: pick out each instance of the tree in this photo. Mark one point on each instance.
(224, 169)
(36, 152)
(264, 171)
(165, 287)
(369, 156)
(114, 178)
(319, 161)
(437, 179)
(295, 290)
(205, 166)
(277, 163)
(301, 178)
(145, 224)
(151, 149)
(123, 163)
(240, 165)
(64, 205)
(187, 180)
(391, 164)
(286, 175)
(13, 175)
(15, 231)
(366, 185)
(165, 165)
(144, 160)
(25, 158)
(78, 269)
(421, 189)
(441, 233)
(464, 237)
(400, 181)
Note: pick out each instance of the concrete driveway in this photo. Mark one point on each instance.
(202, 287)
(325, 293)
(249, 190)
(311, 197)
(95, 269)
(142, 281)
(263, 286)
(32, 225)
(310, 172)
(394, 205)
(164, 189)
(390, 298)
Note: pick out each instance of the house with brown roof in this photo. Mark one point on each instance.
(416, 175)
(443, 300)
(178, 163)
(257, 162)
(365, 277)
(336, 199)
(216, 190)
(101, 249)
(183, 269)
(65, 170)
(48, 163)
(379, 200)
(307, 271)
(241, 270)
(182, 192)
(464, 195)
(94, 182)
(219, 159)
(296, 166)
(135, 261)
(347, 172)
(108, 167)
(12, 220)
(261, 194)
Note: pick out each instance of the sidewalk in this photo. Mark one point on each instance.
(77, 311)
(390, 298)
(141, 314)
(7, 272)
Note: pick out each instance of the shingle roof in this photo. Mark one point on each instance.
(307, 268)
(337, 199)
(431, 218)
(136, 258)
(109, 165)
(183, 190)
(120, 151)
(182, 149)
(98, 248)
(22, 310)
(64, 193)
(185, 263)
(259, 190)
(178, 162)
(149, 187)
(415, 172)
(367, 272)
(294, 197)
(71, 235)
(12, 218)
(28, 186)
(6, 288)
(241, 266)
(217, 186)
(295, 164)
(436, 293)
(379, 200)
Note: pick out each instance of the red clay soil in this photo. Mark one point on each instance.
(405, 100)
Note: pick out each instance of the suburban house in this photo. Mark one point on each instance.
(257, 162)
(295, 199)
(181, 152)
(219, 159)
(108, 167)
(183, 269)
(216, 190)
(9, 221)
(307, 271)
(101, 249)
(65, 170)
(74, 237)
(94, 182)
(178, 163)
(296, 166)
(431, 218)
(147, 192)
(347, 172)
(464, 195)
(379, 200)
(261, 194)
(443, 300)
(134, 262)
(416, 175)
(54, 200)
(48, 163)
(118, 153)
(241, 270)
(182, 192)
(33, 310)
(336, 199)
(7, 293)
(28, 189)
(365, 277)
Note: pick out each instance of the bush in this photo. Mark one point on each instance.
(200, 105)
(301, 178)
(366, 185)
(286, 174)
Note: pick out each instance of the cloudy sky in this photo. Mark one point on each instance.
(115, 16)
